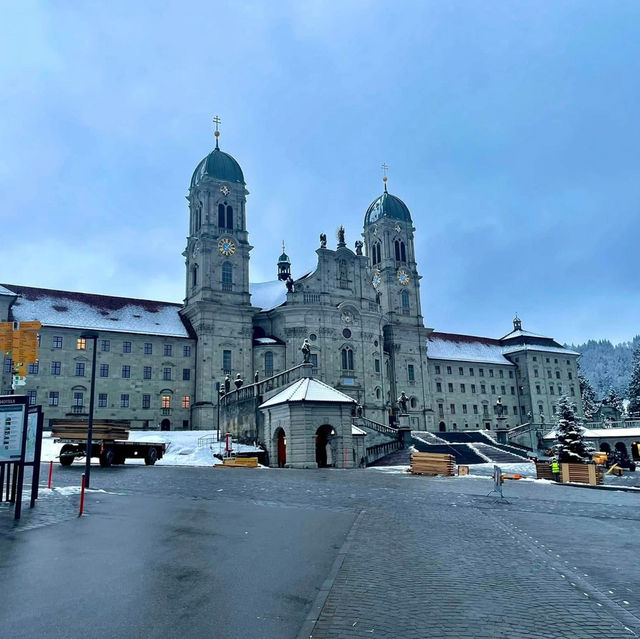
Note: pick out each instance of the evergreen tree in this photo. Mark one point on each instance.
(570, 446)
(588, 395)
(615, 401)
(633, 392)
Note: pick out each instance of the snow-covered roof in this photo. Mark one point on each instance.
(357, 431)
(268, 295)
(266, 340)
(98, 312)
(5, 291)
(537, 347)
(595, 433)
(308, 390)
(465, 348)
(521, 333)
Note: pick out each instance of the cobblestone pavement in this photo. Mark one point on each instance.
(436, 557)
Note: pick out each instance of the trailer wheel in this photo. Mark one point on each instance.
(151, 457)
(106, 457)
(67, 455)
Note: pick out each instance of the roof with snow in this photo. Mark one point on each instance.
(596, 433)
(518, 348)
(98, 312)
(268, 295)
(465, 348)
(308, 390)
(5, 291)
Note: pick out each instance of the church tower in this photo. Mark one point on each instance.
(388, 234)
(217, 301)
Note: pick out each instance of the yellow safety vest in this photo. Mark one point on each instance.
(555, 467)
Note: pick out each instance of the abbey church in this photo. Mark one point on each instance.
(162, 364)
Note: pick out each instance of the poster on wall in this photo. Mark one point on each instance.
(11, 431)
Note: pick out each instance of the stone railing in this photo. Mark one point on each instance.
(626, 423)
(377, 426)
(380, 450)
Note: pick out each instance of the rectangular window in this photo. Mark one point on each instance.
(146, 372)
(186, 351)
(473, 388)
(81, 344)
(570, 375)
(437, 370)
(452, 409)
(464, 409)
(438, 387)
(551, 390)
(166, 401)
(491, 372)
(166, 373)
(522, 409)
(78, 399)
(485, 409)
(450, 387)
(33, 369)
(31, 394)
(573, 391)
(460, 370)
(538, 391)
(535, 372)
(102, 400)
(481, 372)
(501, 373)
(547, 359)
(411, 372)
(535, 359)
(79, 369)
(475, 409)
(463, 388)
(186, 374)
(126, 347)
(57, 341)
(471, 372)
(483, 388)
(548, 374)
(167, 350)
(441, 410)
(126, 372)
(513, 390)
(493, 389)
(376, 365)
(105, 345)
(148, 348)
(503, 389)
(104, 370)
(226, 362)
(555, 361)
(559, 389)
(515, 410)
(510, 374)
(146, 401)
(186, 401)
(54, 398)
(124, 401)
(448, 370)
(557, 374)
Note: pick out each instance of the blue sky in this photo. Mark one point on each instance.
(511, 131)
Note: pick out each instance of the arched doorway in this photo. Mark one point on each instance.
(443, 427)
(622, 449)
(165, 424)
(324, 454)
(605, 448)
(280, 442)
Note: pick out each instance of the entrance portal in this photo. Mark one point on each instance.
(281, 447)
(324, 454)
(165, 424)
(443, 427)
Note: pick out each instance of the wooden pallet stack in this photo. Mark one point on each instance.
(432, 464)
(105, 429)
(238, 462)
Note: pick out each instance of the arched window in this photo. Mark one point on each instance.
(227, 277)
(268, 364)
(376, 253)
(194, 275)
(347, 359)
(229, 217)
(414, 402)
(401, 252)
(221, 215)
(378, 393)
(404, 299)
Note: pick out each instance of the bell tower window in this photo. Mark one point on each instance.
(194, 275)
(227, 277)
(401, 252)
(229, 217)
(347, 359)
(404, 299)
(376, 253)
(221, 217)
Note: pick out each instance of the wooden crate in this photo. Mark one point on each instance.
(581, 474)
(432, 464)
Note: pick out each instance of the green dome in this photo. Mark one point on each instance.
(284, 258)
(387, 205)
(219, 166)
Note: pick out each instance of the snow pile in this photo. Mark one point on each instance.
(182, 447)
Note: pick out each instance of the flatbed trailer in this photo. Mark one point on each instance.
(111, 452)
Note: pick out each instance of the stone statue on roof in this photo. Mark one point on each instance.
(306, 351)
(289, 284)
(359, 246)
(340, 234)
(323, 240)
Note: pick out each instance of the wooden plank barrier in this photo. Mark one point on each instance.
(239, 462)
(432, 464)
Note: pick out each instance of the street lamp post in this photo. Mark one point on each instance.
(94, 338)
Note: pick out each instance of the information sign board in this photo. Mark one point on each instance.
(32, 434)
(11, 432)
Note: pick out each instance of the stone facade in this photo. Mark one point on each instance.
(360, 310)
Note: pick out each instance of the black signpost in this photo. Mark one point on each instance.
(20, 446)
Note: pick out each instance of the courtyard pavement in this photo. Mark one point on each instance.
(198, 552)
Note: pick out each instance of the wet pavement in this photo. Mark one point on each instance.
(198, 552)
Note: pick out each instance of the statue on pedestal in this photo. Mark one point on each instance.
(323, 240)
(306, 351)
(403, 403)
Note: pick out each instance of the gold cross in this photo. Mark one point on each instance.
(217, 121)
(384, 168)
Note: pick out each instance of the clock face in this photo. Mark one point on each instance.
(195, 250)
(226, 246)
(403, 277)
(224, 190)
(376, 280)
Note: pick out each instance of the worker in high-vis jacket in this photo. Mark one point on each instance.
(555, 470)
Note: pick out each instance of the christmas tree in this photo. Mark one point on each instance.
(614, 401)
(634, 385)
(570, 446)
(588, 395)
